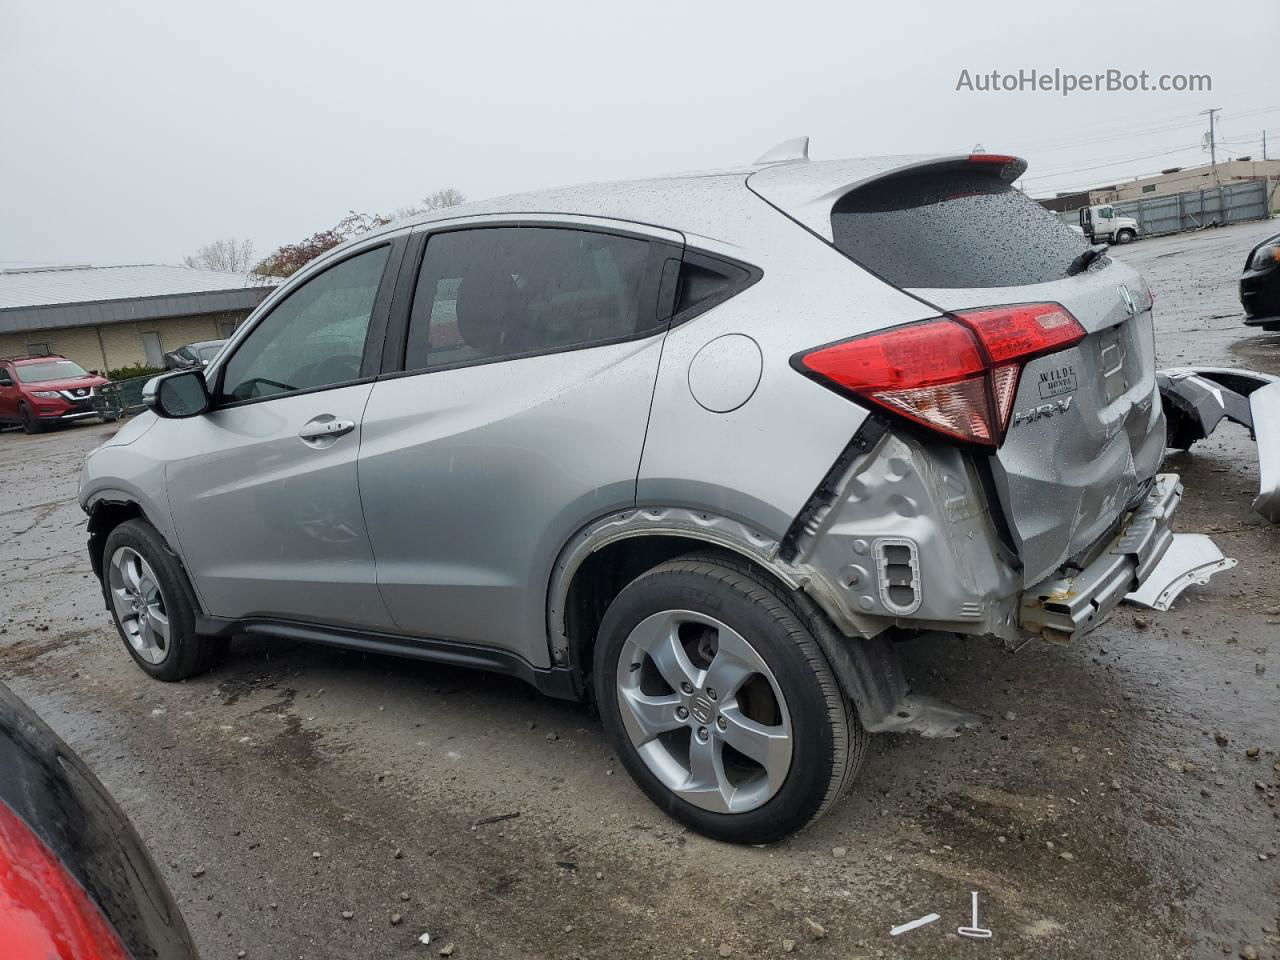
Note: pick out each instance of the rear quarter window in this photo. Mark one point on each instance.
(952, 228)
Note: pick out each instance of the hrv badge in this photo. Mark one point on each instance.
(1061, 405)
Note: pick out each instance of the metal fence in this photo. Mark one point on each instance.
(120, 397)
(1228, 203)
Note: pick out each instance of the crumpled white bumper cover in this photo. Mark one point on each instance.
(1208, 395)
(1191, 558)
(1067, 606)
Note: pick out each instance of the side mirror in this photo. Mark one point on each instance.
(5, 380)
(177, 395)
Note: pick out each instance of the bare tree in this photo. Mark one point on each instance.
(230, 256)
(448, 197)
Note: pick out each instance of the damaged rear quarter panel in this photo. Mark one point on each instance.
(930, 496)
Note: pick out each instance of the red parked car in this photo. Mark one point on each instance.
(39, 391)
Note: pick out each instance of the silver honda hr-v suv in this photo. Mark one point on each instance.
(698, 449)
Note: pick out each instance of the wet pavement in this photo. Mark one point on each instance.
(1107, 807)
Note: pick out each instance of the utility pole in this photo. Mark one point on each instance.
(1213, 145)
(1264, 144)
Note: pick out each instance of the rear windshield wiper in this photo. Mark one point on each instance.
(1086, 257)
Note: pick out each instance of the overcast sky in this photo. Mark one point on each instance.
(137, 131)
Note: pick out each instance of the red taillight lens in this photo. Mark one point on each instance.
(957, 375)
(1022, 331)
(44, 913)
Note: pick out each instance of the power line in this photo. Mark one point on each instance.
(1143, 131)
(1069, 167)
(1099, 166)
(1190, 174)
(1250, 113)
(1129, 134)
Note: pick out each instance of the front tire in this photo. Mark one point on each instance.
(720, 703)
(1126, 236)
(30, 422)
(153, 605)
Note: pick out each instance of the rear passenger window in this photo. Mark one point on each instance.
(488, 293)
(705, 281)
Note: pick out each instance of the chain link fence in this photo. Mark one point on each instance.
(120, 398)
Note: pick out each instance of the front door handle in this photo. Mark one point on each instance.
(325, 429)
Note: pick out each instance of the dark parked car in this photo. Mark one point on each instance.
(76, 882)
(1260, 285)
(193, 356)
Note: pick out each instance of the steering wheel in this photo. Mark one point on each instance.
(337, 369)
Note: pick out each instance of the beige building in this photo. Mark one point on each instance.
(105, 318)
(1182, 179)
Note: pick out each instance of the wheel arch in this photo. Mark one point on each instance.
(104, 516)
(607, 554)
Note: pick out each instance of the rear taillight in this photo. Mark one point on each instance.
(44, 913)
(957, 374)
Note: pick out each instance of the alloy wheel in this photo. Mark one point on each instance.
(139, 604)
(704, 711)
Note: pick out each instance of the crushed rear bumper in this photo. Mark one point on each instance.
(1204, 396)
(1075, 600)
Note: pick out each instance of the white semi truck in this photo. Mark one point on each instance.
(1101, 224)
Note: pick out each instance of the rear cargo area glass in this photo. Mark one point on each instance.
(952, 228)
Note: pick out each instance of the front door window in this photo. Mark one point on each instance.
(314, 338)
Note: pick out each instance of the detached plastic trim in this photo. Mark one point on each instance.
(1205, 396)
(1192, 558)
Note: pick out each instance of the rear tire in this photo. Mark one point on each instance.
(761, 757)
(153, 605)
(30, 422)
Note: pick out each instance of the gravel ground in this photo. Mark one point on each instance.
(1106, 808)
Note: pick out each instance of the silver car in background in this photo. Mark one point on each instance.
(699, 449)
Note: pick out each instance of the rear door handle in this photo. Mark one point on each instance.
(325, 428)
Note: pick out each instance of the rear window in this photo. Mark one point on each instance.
(952, 228)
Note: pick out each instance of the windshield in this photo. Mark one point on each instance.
(952, 228)
(50, 370)
(207, 353)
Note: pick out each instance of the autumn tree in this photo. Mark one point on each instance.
(230, 256)
(292, 257)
